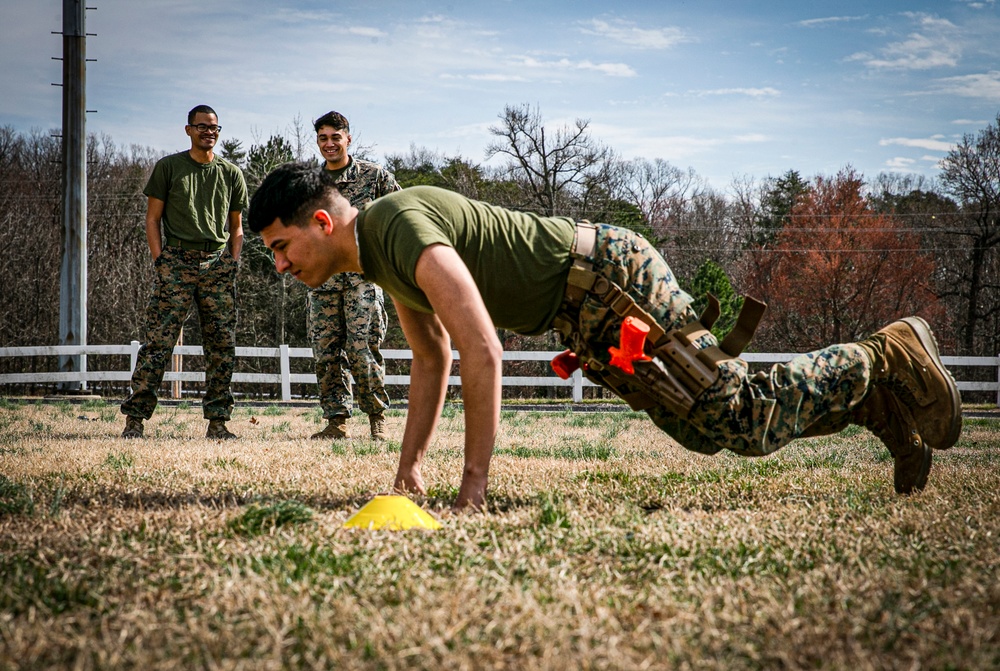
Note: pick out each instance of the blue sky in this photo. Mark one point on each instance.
(728, 89)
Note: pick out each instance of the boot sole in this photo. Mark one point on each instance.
(929, 342)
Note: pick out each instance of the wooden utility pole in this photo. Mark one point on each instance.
(73, 273)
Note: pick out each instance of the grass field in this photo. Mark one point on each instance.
(606, 546)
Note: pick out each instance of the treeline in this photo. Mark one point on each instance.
(834, 256)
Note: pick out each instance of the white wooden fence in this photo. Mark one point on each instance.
(285, 378)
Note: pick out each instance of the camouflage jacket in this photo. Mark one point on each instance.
(364, 181)
(361, 182)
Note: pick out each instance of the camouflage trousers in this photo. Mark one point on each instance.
(208, 281)
(347, 324)
(752, 415)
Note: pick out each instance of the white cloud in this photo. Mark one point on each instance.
(496, 78)
(932, 143)
(751, 138)
(985, 86)
(628, 33)
(486, 77)
(900, 164)
(812, 23)
(752, 92)
(366, 32)
(936, 45)
(610, 69)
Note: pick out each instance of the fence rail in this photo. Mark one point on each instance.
(285, 378)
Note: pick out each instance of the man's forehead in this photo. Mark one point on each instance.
(274, 232)
(330, 130)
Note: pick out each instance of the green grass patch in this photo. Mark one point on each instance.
(578, 451)
(314, 562)
(40, 428)
(226, 464)
(451, 410)
(281, 428)
(363, 448)
(262, 519)
(552, 511)
(29, 585)
(119, 461)
(15, 498)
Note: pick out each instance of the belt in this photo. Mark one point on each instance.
(208, 246)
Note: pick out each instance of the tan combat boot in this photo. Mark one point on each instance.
(891, 421)
(335, 429)
(905, 360)
(133, 427)
(217, 430)
(378, 426)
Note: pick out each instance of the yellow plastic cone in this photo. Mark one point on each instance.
(391, 512)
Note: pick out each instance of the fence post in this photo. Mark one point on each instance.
(177, 364)
(133, 356)
(577, 385)
(998, 380)
(83, 371)
(286, 374)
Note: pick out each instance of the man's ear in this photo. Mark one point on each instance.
(325, 221)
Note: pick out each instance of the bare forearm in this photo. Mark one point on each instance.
(153, 237)
(461, 312)
(428, 383)
(235, 234)
(236, 245)
(154, 213)
(481, 394)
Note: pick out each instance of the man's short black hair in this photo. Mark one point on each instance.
(200, 109)
(335, 119)
(287, 192)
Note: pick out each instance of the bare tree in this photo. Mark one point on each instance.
(971, 173)
(703, 230)
(555, 168)
(658, 189)
(30, 235)
(267, 314)
(121, 269)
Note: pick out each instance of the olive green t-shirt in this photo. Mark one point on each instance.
(518, 260)
(198, 197)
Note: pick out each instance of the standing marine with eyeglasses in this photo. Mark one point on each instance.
(194, 227)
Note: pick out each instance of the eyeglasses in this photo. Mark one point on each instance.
(203, 127)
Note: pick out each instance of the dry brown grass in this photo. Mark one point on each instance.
(606, 547)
